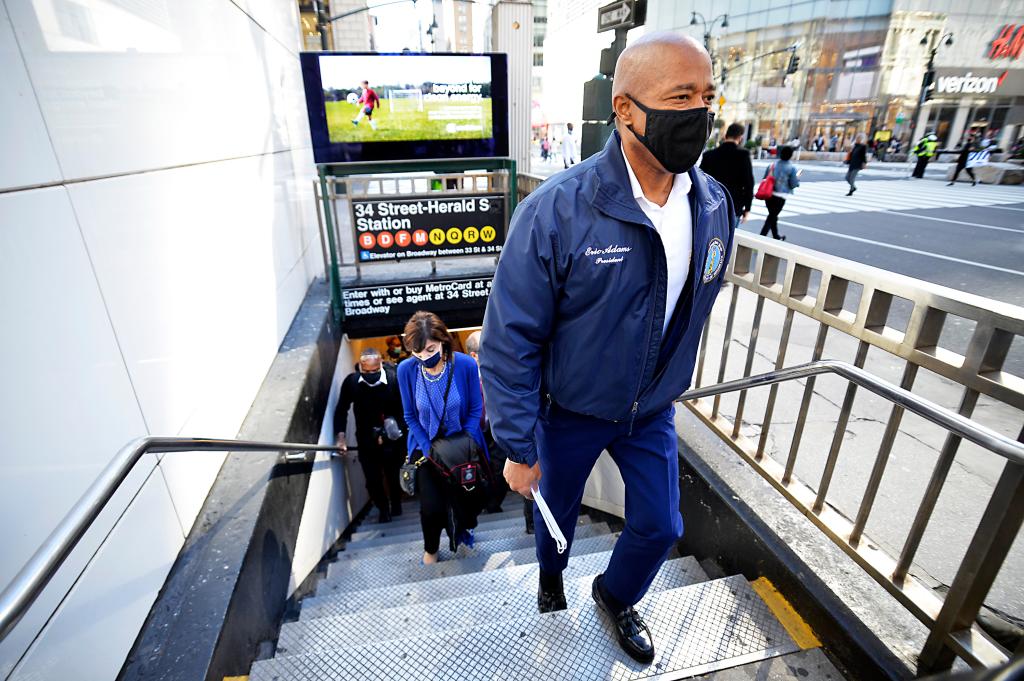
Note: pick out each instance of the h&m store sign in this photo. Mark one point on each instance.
(1008, 43)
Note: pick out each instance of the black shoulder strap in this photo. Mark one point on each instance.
(444, 406)
(447, 389)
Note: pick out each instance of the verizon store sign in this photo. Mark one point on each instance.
(980, 82)
(969, 84)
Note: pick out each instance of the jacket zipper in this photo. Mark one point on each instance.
(694, 273)
(660, 248)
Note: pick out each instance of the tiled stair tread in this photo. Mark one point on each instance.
(697, 629)
(360, 576)
(803, 665)
(411, 522)
(313, 635)
(410, 533)
(413, 518)
(399, 595)
(411, 553)
(482, 534)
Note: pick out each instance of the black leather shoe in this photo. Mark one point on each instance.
(634, 636)
(550, 592)
(550, 601)
(383, 516)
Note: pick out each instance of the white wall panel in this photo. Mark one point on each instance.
(67, 404)
(28, 157)
(187, 259)
(189, 477)
(158, 297)
(201, 291)
(164, 84)
(97, 624)
(337, 488)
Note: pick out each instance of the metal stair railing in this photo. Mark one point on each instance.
(950, 623)
(28, 584)
(910, 320)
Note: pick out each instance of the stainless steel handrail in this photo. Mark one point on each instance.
(948, 419)
(28, 584)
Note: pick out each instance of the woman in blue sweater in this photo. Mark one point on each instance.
(424, 379)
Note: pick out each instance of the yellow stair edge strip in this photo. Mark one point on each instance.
(236, 678)
(794, 624)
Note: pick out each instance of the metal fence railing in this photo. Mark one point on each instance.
(915, 325)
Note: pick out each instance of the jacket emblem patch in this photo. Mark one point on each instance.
(715, 258)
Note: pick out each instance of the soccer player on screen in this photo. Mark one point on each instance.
(368, 101)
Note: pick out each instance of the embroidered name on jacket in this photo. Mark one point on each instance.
(614, 250)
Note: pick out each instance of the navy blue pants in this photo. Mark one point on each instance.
(568, 445)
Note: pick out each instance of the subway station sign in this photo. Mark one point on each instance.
(383, 310)
(423, 226)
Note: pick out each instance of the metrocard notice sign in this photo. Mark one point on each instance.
(383, 309)
(390, 229)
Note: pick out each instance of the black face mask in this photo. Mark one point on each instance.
(372, 378)
(676, 138)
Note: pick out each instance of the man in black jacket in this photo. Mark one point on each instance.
(729, 163)
(373, 393)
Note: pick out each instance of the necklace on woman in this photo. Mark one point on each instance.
(427, 375)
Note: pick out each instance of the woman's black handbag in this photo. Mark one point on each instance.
(459, 457)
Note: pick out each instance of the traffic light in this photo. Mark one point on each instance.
(928, 85)
(794, 64)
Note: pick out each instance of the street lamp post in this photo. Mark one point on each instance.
(708, 26)
(929, 76)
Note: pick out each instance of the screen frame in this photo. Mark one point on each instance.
(327, 152)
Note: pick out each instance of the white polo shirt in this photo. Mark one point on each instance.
(674, 224)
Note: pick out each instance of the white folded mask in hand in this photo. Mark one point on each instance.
(553, 529)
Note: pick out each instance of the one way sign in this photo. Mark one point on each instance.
(621, 14)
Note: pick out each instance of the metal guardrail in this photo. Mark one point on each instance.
(28, 584)
(528, 183)
(786, 275)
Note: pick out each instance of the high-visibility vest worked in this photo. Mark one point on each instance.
(926, 147)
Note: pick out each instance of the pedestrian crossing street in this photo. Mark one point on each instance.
(816, 198)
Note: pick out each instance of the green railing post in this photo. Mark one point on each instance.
(513, 187)
(337, 304)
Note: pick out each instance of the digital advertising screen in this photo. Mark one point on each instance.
(375, 107)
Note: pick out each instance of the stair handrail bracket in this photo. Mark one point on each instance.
(784, 274)
(19, 595)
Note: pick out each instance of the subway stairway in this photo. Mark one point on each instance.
(378, 613)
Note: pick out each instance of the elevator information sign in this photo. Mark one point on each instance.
(424, 226)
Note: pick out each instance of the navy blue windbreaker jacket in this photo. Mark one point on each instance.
(577, 307)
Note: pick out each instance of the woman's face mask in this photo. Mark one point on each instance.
(430, 362)
(430, 355)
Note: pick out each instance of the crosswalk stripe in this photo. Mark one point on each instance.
(839, 235)
(955, 222)
(891, 195)
(1020, 210)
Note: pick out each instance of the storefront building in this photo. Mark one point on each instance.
(861, 66)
